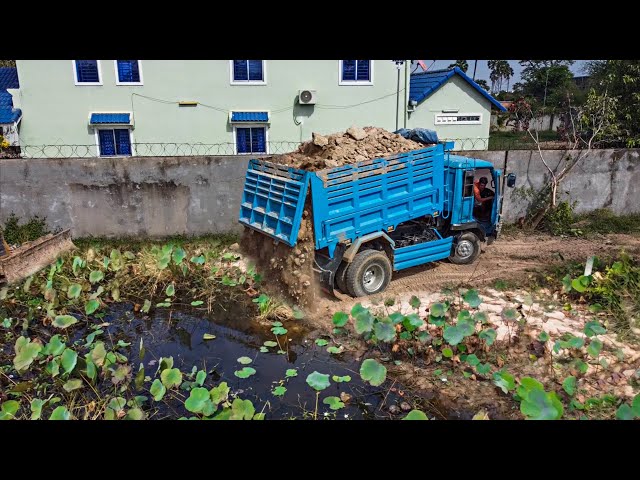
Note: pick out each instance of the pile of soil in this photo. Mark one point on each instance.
(289, 271)
(345, 148)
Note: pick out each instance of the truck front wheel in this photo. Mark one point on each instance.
(369, 273)
(466, 248)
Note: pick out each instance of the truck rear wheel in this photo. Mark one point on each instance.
(369, 273)
(341, 277)
(466, 248)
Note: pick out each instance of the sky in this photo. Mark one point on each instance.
(483, 71)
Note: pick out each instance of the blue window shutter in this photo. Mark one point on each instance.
(258, 140)
(364, 70)
(128, 71)
(348, 70)
(123, 141)
(243, 140)
(107, 144)
(255, 70)
(240, 70)
(87, 71)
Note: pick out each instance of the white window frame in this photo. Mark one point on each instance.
(248, 82)
(82, 84)
(118, 82)
(355, 82)
(112, 127)
(437, 118)
(251, 125)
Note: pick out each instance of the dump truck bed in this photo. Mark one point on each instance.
(348, 201)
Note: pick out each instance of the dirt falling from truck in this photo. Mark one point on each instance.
(289, 271)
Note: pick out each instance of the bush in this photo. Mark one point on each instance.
(558, 220)
(16, 234)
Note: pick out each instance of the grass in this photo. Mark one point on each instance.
(518, 140)
(135, 244)
(605, 221)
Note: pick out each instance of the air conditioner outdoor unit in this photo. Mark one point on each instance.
(307, 97)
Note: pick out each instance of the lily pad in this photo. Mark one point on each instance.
(438, 309)
(472, 298)
(157, 390)
(171, 290)
(270, 344)
(95, 276)
(69, 360)
(504, 380)
(291, 372)
(321, 342)
(26, 355)
(364, 322)
(208, 336)
(594, 348)
(541, 405)
(373, 372)
(72, 384)
(220, 393)
(489, 336)
(74, 290)
(242, 409)
(414, 302)
(335, 350)
(91, 306)
(624, 412)
(318, 381)
(244, 360)
(279, 330)
(171, 377)
(340, 319)
(416, 415)
(333, 402)
(64, 321)
(337, 379)
(197, 400)
(279, 391)
(60, 413)
(9, 409)
(246, 372)
(196, 303)
(147, 305)
(472, 360)
(569, 385)
(593, 328)
(54, 347)
(453, 335)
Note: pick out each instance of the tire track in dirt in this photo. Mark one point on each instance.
(509, 258)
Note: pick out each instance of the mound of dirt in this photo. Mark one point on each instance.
(345, 148)
(289, 271)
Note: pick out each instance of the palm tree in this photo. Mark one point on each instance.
(461, 64)
(500, 71)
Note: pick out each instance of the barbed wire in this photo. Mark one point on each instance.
(175, 149)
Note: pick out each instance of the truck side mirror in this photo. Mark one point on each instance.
(511, 180)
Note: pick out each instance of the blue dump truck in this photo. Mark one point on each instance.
(378, 216)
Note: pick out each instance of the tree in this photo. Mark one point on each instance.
(548, 84)
(618, 80)
(500, 71)
(7, 63)
(483, 84)
(586, 124)
(461, 64)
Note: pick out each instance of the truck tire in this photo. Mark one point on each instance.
(341, 277)
(466, 248)
(369, 273)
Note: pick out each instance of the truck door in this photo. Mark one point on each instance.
(495, 212)
(467, 200)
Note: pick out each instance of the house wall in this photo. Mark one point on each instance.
(456, 93)
(56, 111)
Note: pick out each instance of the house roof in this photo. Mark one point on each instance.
(8, 78)
(422, 85)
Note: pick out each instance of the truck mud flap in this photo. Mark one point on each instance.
(325, 269)
(32, 257)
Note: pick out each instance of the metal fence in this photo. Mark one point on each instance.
(274, 148)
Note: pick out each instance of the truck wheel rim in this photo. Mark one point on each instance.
(464, 249)
(372, 278)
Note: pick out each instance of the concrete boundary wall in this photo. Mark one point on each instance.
(161, 196)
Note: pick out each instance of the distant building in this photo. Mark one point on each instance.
(452, 104)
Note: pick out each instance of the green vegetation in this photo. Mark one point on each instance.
(519, 140)
(16, 233)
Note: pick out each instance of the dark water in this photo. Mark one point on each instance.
(180, 334)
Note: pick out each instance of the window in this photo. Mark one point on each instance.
(87, 72)
(458, 119)
(356, 72)
(114, 142)
(251, 139)
(128, 72)
(468, 184)
(248, 72)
